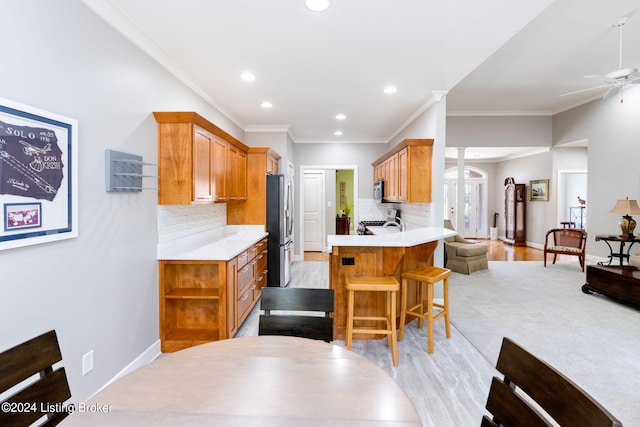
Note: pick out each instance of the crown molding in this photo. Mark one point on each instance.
(498, 113)
(113, 16)
(340, 141)
(267, 128)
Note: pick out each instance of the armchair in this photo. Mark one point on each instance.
(566, 241)
(462, 255)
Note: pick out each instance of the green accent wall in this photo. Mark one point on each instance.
(345, 176)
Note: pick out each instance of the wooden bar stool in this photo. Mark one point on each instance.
(427, 275)
(390, 286)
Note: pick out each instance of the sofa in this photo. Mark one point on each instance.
(462, 255)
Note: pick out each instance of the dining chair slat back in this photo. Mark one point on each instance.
(556, 395)
(42, 397)
(297, 315)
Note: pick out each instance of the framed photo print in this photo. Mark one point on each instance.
(539, 190)
(38, 176)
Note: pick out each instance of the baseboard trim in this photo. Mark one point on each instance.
(149, 355)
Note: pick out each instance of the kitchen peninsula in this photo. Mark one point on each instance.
(386, 253)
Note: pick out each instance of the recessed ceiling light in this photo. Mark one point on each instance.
(317, 5)
(390, 89)
(338, 133)
(341, 117)
(266, 104)
(247, 76)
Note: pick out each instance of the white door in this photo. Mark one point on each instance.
(313, 210)
(475, 204)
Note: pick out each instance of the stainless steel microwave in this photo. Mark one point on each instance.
(378, 191)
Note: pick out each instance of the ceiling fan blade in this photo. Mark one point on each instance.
(604, 79)
(584, 90)
(611, 92)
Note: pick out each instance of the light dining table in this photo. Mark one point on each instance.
(251, 381)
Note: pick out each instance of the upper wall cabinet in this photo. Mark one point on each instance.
(406, 171)
(260, 162)
(198, 162)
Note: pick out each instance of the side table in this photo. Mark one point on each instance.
(621, 254)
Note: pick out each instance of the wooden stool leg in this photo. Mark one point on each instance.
(421, 300)
(445, 291)
(403, 308)
(430, 317)
(392, 336)
(349, 335)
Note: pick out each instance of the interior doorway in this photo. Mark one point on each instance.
(572, 192)
(314, 212)
(326, 202)
(475, 201)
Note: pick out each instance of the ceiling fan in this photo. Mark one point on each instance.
(615, 80)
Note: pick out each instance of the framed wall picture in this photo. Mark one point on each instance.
(539, 190)
(38, 176)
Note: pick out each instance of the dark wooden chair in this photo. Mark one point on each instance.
(566, 241)
(305, 325)
(561, 399)
(41, 397)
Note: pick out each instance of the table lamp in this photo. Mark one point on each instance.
(626, 207)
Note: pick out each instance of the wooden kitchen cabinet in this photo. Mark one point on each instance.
(403, 178)
(260, 162)
(251, 278)
(406, 171)
(236, 172)
(203, 301)
(192, 303)
(194, 164)
(220, 170)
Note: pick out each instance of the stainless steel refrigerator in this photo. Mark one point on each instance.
(280, 229)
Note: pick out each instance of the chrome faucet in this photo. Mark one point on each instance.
(402, 225)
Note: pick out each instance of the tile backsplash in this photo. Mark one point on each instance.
(417, 214)
(175, 221)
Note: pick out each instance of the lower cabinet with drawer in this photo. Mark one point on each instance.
(251, 278)
(202, 301)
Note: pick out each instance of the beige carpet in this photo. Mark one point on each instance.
(593, 340)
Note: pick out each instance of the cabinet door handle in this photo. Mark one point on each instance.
(244, 298)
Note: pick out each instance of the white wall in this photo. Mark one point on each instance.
(613, 130)
(499, 131)
(429, 124)
(98, 291)
(540, 215)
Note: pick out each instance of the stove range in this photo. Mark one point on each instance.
(362, 227)
(391, 216)
(372, 223)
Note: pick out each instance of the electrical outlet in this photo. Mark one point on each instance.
(87, 363)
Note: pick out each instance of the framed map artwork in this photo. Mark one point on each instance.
(38, 176)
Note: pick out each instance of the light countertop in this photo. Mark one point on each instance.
(220, 244)
(392, 237)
